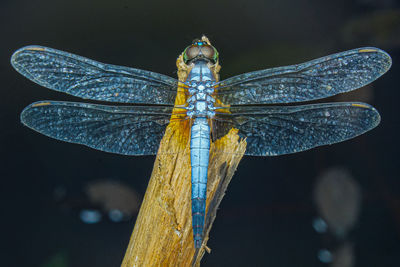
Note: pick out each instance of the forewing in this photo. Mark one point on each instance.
(278, 130)
(316, 79)
(133, 130)
(89, 79)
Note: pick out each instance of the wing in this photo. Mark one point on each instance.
(281, 130)
(89, 79)
(319, 78)
(133, 130)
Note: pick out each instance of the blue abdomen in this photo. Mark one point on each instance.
(199, 156)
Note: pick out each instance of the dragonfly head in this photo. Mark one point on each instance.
(200, 49)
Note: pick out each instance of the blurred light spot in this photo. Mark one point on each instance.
(90, 216)
(114, 196)
(338, 199)
(320, 225)
(344, 256)
(325, 256)
(116, 215)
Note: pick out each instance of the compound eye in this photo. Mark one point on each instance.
(208, 52)
(191, 52)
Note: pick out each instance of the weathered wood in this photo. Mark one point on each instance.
(163, 231)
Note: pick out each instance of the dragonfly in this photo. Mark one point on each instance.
(248, 102)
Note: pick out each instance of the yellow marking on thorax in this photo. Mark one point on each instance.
(41, 104)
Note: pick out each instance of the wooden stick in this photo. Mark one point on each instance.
(163, 231)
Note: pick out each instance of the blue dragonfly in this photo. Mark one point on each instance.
(240, 102)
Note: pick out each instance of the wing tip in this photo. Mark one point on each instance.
(15, 56)
(24, 114)
(25, 111)
(372, 113)
(386, 59)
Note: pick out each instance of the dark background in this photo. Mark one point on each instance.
(266, 216)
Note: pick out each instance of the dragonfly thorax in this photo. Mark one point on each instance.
(201, 83)
(201, 103)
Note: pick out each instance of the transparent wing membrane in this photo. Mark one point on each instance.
(133, 130)
(89, 79)
(316, 79)
(278, 130)
(138, 130)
